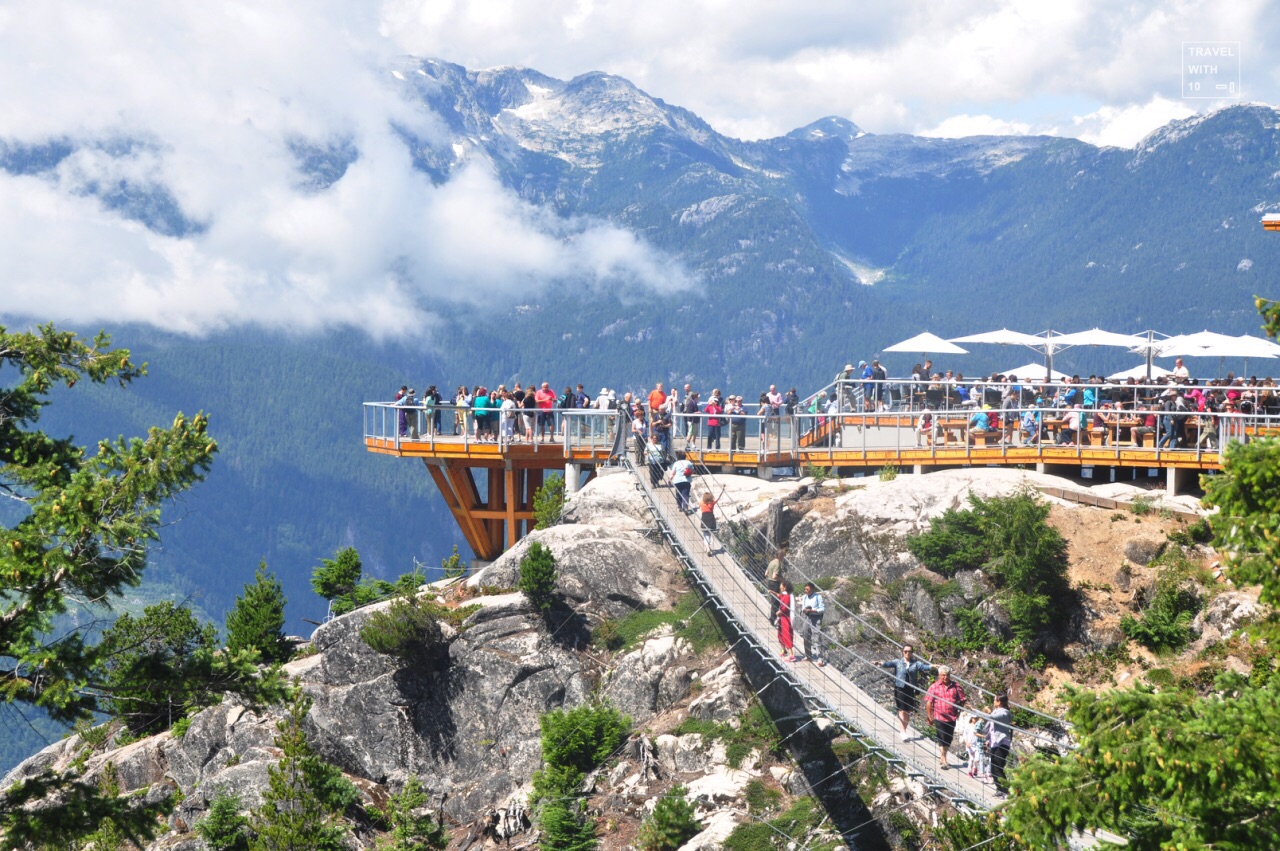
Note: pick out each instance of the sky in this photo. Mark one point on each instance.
(206, 103)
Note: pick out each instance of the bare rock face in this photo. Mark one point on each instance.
(649, 679)
(617, 571)
(466, 723)
(724, 695)
(1141, 551)
(612, 501)
(1225, 614)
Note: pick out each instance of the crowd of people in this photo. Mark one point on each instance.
(1001, 407)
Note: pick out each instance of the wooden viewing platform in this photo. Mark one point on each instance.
(489, 487)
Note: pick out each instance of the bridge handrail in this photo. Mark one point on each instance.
(1054, 721)
(746, 592)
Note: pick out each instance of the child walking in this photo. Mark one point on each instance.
(708, 509)
(976, 742)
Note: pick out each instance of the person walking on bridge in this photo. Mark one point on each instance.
(812, 608)
(905, 690)
(773, 581)
(681, 475)
(942, 703)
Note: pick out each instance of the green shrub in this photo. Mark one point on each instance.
(157, 667)
(671, 824)
(755, 732)
(548, 503)
(583, 737)
(538, 576)
(453, 567)
(180, 727)
(1165, 625)
(339, 575)
(1197, 533)
(406, 629)
(411, 827)
(1142, 505)
(1010, 539)
(574, 742)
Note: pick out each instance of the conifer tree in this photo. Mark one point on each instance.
(257, 621)
(538, 576)
(305, 795)
(225, 828)
(412, 827)
(339, 575)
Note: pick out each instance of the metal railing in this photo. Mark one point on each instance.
(806, 437)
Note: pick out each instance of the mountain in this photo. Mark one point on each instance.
(808, 250)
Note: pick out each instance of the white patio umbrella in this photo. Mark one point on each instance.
(1098, 337)
(1035, 372)
(1045, 345)
(927, 343)
(1003, 337)
(1140, 371)
(1191, 345)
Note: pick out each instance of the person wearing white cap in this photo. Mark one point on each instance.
(844, 385)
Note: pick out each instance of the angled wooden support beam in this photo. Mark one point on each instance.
(459, 492)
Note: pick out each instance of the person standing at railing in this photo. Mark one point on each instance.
(506, 419)
(812, 608)
(462, 403)
(942, 704)
(1001, 740)
(905, 689)
(737, 424)
(640, 436)
(844, 386)
(657, 398)
(692, 424)
(783, 620)
(713, 411)
(773, 581)
(661, 428)
(884, 399)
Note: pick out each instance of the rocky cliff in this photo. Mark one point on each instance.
(464, 719)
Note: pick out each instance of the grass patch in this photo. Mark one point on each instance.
(801, 818)
(756, 733)
(692, 622)
(856, 591)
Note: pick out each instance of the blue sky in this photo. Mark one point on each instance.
(213, 97)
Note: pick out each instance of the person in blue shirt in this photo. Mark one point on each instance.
(905, 691)
(812, 607)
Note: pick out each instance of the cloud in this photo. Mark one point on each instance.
(958, 126)
(756, 68)
(196, 119)
(1125, 127)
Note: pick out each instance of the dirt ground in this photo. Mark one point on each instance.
(1096, 538)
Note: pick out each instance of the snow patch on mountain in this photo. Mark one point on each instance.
(863, 273)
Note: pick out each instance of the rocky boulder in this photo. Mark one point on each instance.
(616, 571)
(650, 679)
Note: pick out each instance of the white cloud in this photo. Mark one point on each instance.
(959, 126)
(757, 68)
(1125, 127)
(201, 107)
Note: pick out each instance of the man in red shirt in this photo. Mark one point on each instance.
(546, 400)
(942, 703)
(657, 398)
